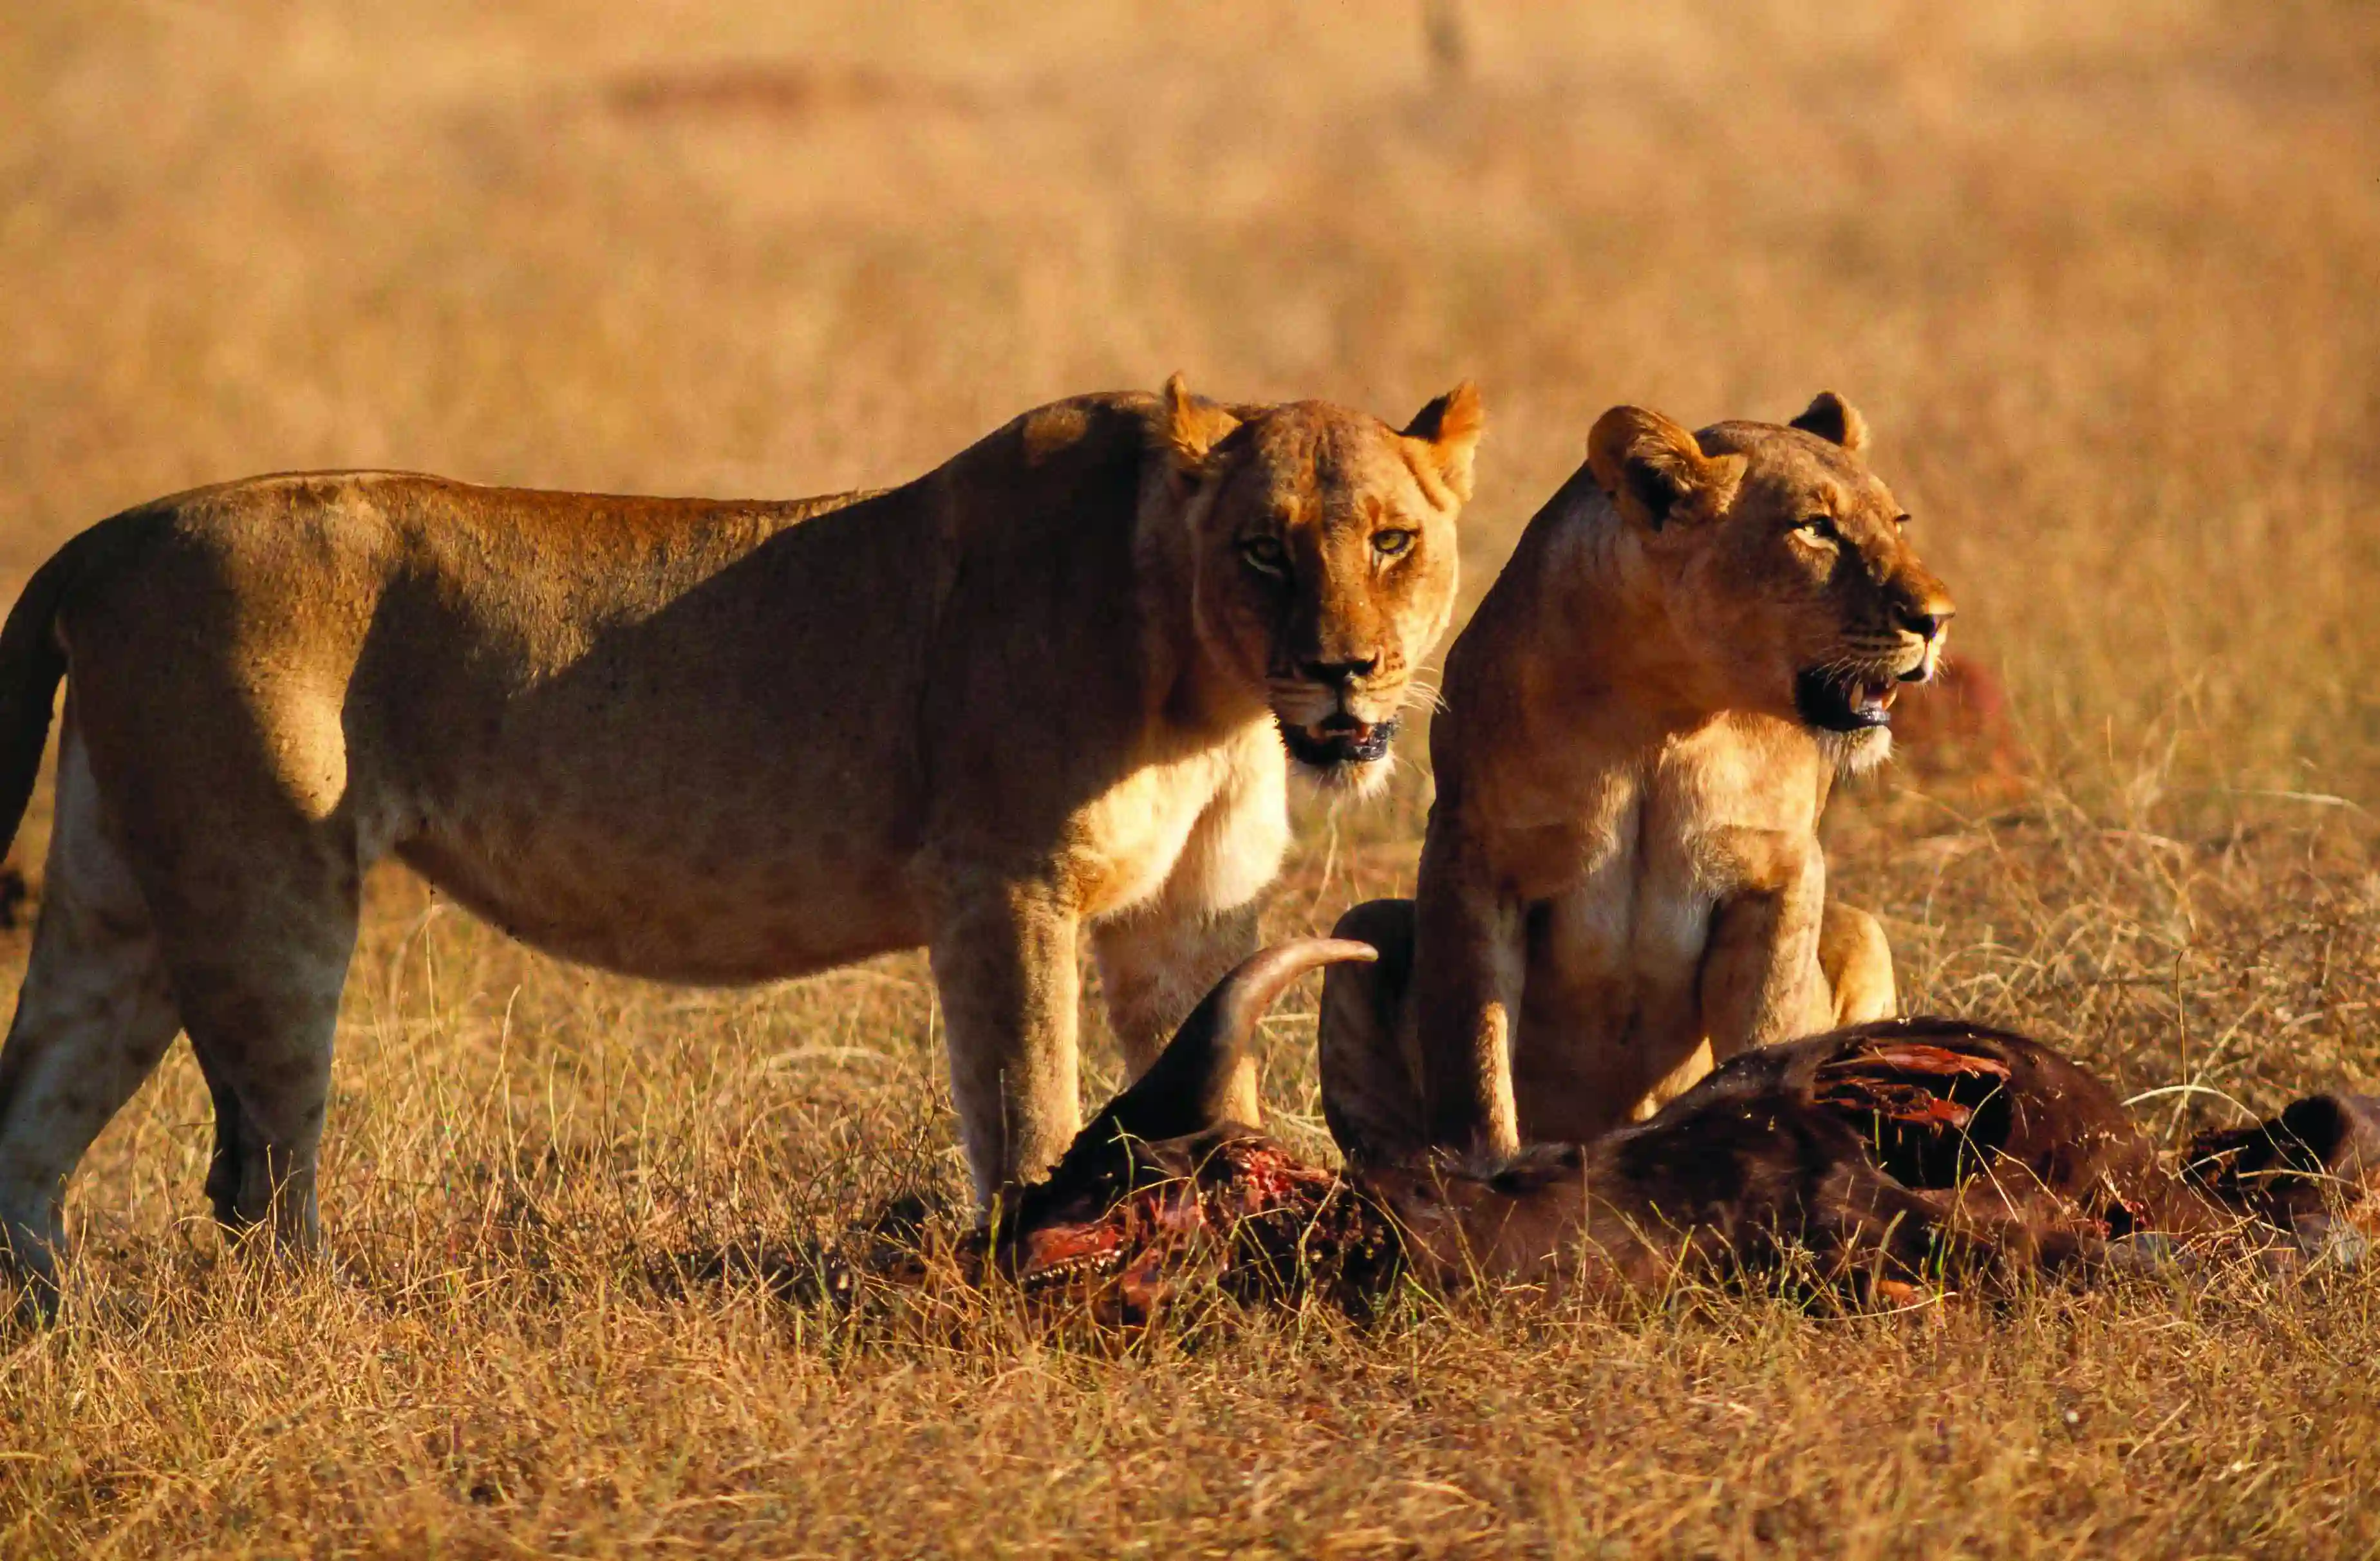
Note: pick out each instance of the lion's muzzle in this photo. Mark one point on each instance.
(1338, 740)
(1855, 693)
(1332, 720)
(1860, 699)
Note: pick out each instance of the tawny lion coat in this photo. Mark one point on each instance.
(1034, 691)
(1623, 877)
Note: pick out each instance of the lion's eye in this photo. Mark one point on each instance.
(1900, 522)
(1816, 528)
(1389, 544)
(1263, 553)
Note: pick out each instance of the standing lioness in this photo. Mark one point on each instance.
(1642, 725)
(1044, 687)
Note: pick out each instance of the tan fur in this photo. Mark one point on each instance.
(1621, 881)
(1031, 693)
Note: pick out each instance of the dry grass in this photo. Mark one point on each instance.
(2101, 275)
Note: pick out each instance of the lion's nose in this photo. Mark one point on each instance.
(1338, 674)
(1924, 622)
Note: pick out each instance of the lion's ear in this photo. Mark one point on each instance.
(1834, 420)
(1654, 473)
(1189, 428)
(1450, 428)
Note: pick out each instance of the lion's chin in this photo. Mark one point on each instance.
(1856, 753)
(1846, 702)
(1344, 756)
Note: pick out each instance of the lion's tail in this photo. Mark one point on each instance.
(32, 664)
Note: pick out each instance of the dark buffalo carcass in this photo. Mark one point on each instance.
(1907, 1152)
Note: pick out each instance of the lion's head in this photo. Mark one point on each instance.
(1325, 549)
(1783, 565)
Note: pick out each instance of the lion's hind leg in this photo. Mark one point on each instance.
(1371, 1076)
(1858, 965)
(259, 961)
(249, 861)
(94, 1015)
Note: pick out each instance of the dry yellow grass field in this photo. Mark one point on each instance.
(2102, 277)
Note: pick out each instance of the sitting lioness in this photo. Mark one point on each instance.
(1621, 879)
(1045, 687)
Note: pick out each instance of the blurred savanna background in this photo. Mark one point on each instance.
(2103, 278)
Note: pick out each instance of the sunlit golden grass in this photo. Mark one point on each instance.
(2101, 276)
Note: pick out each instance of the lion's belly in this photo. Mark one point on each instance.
(718, 883)
(787, 903)
(1611, 1004)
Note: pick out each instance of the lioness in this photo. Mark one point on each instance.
(1044, 687)
(1641, 727)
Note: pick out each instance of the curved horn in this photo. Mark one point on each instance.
(1184, 1090)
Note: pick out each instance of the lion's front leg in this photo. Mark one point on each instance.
(1156, 964)
(1004, 964)
(1761, 981)
(1857, 961)
(1156, 960)
(1470, 968)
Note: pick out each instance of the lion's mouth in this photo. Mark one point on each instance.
(1841, 701)
(1339, 740)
